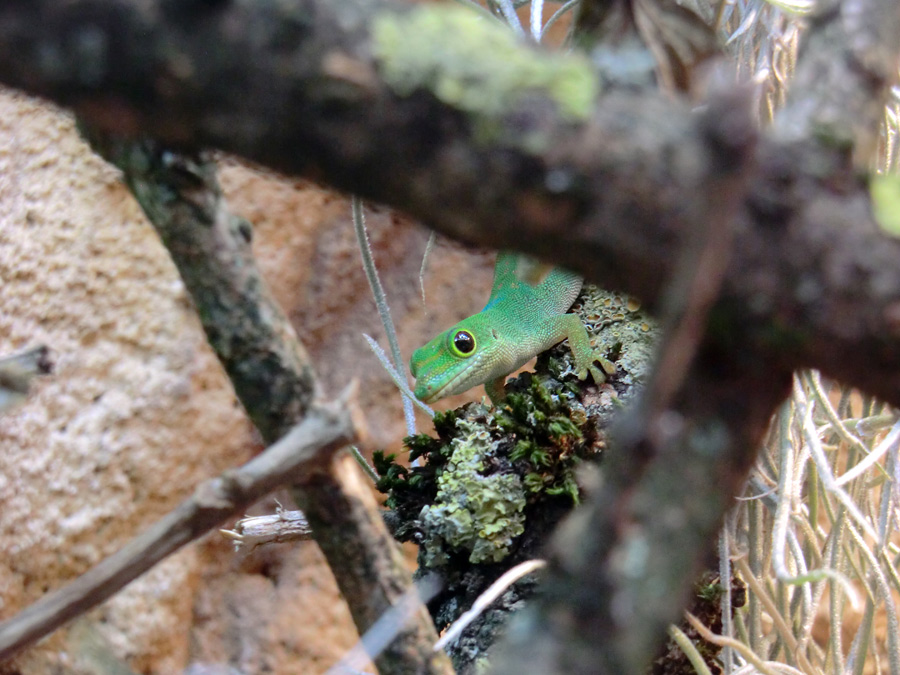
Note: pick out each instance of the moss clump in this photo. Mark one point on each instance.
(453, 504)
(409, 489)
(489, 468)
(476, 65)
(495, 482)
(469, 498)
(549, 439)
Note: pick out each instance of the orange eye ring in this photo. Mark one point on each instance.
(463, 344)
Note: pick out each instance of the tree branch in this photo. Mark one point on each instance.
(272, 377)
(180, 194)
(608, 186)
(622, 568)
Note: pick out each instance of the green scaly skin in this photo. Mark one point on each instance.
(518, 322)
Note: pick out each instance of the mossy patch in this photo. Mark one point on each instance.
(480, 477)
(495, 482)
(549, 439)
(469, 498)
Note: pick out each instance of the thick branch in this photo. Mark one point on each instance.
(320, 88)
(344, 508)
(620, 570)
(846, 66)
(623, 566)
(266, 363)
(271, 376)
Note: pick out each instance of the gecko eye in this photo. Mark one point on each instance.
(463, 343)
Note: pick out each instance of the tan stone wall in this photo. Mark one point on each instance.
(138, 410)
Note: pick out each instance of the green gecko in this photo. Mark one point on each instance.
(518, 322)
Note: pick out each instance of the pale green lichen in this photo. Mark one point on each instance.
(476, 65)
(473, 512)
(622, 330)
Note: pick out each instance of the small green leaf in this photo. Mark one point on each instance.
(885, 193)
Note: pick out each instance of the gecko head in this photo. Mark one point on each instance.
(456, 360)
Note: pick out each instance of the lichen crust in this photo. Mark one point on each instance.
(476, 65)
(479, 513)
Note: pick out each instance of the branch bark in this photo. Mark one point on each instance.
(609, 193)
(622, 566)
(180, 194)
(691, 441)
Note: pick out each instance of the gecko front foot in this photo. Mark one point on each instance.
(607, 367)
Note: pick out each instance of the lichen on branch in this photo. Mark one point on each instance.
(432, 48)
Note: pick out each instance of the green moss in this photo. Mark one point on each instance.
(390, 472)
(476, 65)
(530, 451)
(710, 592)
(467, 501)
(496, 481)
(549, 442)
(445, 423)
(419, 445)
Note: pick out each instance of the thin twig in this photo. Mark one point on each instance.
(384, 309)
(367, 468)
(883, 589)
(483, 601)
(825, 473)
(537, 17)
(558, 14)
(429, 245)
(690, 650)
(739, 647)
(784, 631)
(512, 19)
(725, 581)
(395, 376)
(814, 381)
(388, 626)
(889, 444)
